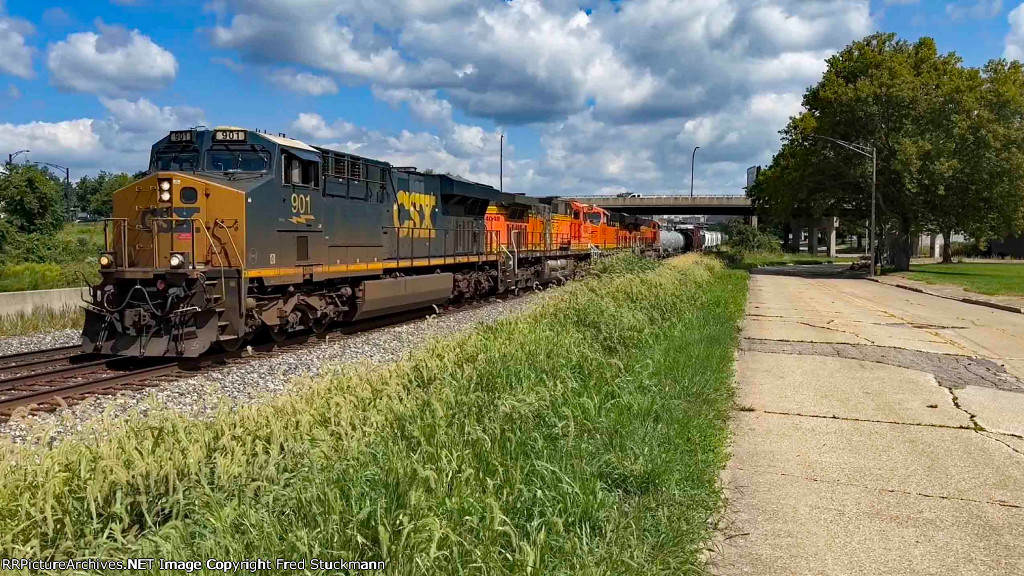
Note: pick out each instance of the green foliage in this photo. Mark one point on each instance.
(621, 264)
(95, 195)
(745, 238)
(31, 199)
(984, 278)
(950, 152)
(43, 261)
(584, 437)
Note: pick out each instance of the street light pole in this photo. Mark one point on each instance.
(11, 157)
(874, 179)
(67, 188)
(501, 164)
(872, 153)
(693, 158)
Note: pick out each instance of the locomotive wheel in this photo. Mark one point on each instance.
(276, 333)
(230, 344)
(320, 325)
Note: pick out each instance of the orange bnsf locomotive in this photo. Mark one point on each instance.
(234, 233)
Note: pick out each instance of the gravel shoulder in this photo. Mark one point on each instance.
(247, 381)
(19, 344)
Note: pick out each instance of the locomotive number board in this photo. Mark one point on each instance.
(181, 136)
(229, 135)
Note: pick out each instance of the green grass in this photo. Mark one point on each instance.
(750, 260)
(992, 279)
(42, 320)
(583, 437)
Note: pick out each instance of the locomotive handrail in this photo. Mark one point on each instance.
(220, 222)
(124, 238)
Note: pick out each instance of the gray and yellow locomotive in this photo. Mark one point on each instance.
(235, 232)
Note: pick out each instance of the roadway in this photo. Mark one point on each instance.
(877, 431)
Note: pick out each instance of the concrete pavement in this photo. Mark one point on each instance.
(877, 431)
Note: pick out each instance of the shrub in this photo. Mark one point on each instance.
(744, 238)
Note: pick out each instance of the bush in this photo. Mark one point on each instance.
(744, 238)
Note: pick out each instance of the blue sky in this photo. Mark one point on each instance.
(597, 99)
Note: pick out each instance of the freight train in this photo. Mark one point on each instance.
(235, 233)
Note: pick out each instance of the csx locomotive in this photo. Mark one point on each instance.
(235, 232)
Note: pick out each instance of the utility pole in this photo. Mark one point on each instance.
(693, 157)
(870, 152)
(501, 164)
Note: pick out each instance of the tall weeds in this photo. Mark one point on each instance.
(583, 437)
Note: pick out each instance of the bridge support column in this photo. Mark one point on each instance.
(831, 224)
(796, 230)
(753, 220)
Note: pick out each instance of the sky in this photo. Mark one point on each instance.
(596, 98)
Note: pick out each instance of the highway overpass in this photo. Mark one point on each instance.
(673, 205)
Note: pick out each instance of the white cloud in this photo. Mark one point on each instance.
(1014, 43)
(119, 142)
(15, 54)
(469, 151)
(114, 62)
(978, 10)
(302, 82)
(619, 95)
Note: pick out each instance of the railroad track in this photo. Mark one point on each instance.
(46, 380)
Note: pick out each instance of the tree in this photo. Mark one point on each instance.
(32, 199)
(101, 203)
(948, 141)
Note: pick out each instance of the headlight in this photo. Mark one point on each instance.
(106, 261)
(177, 260)
(165, 191)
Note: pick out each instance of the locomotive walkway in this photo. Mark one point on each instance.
(877, 431)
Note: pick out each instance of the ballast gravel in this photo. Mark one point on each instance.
(249, 380)
(20, 344)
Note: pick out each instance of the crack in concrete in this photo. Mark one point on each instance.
(1001, 503)
(834, 329)
(970, 415)
(950, 370)
(1003, 443)
(854, 419)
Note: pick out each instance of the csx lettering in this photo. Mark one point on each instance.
(420, 210)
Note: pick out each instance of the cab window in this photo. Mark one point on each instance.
(594, 217)
(299, 172)
(237, 161)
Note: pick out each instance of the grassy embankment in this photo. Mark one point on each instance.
(39, 262)
(585, 436)
(983, 278)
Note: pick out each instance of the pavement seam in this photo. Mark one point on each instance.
(1000, 503)
(866, 420)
